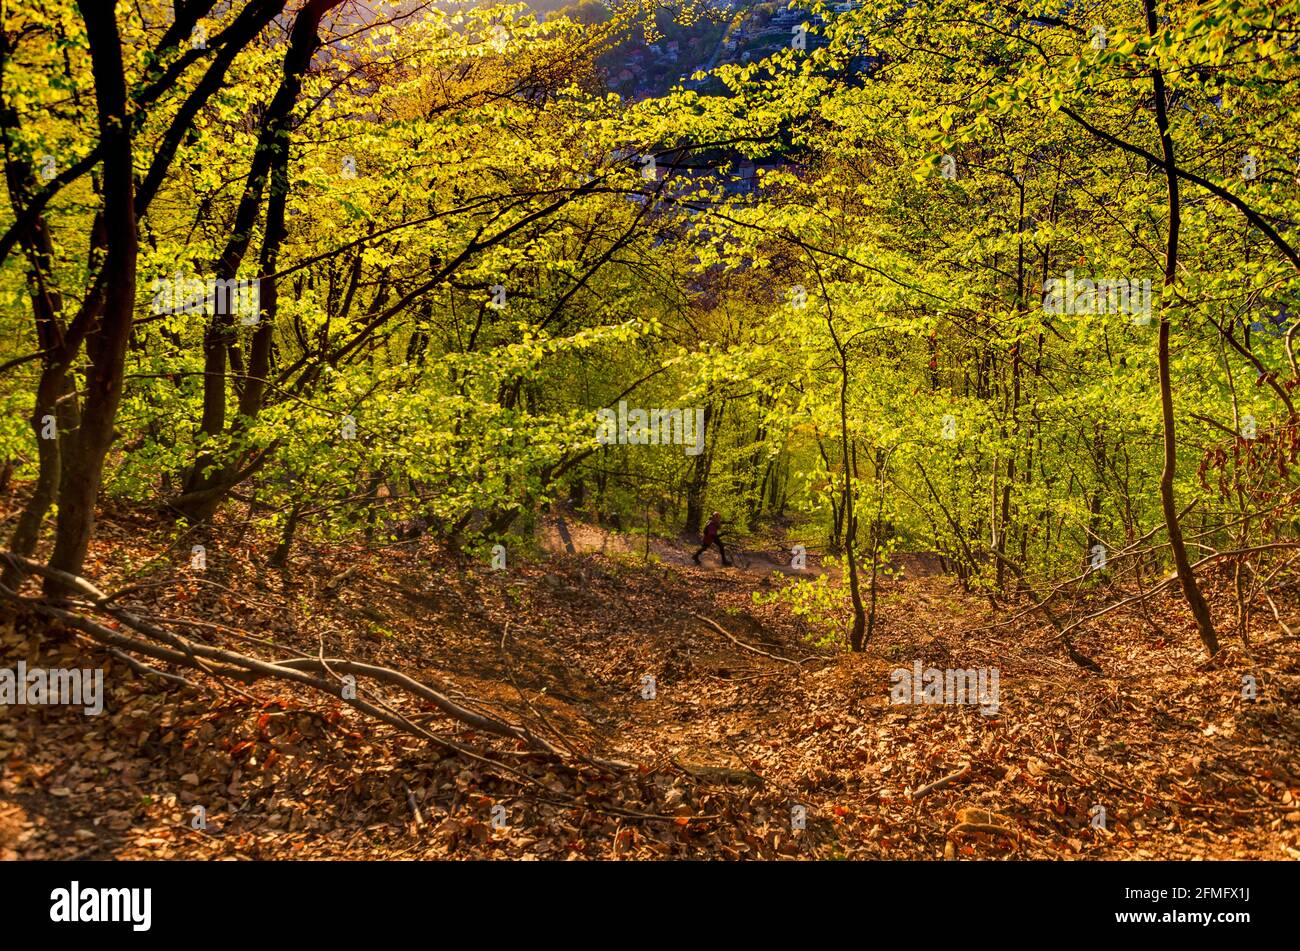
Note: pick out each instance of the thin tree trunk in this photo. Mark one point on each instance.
(857, 635)
(56, 397)
(270, 163)
(1191, 591)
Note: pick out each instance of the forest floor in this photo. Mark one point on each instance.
(729, 748)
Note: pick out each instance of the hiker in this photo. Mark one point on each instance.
(711, 538)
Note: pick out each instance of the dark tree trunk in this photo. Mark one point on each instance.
(1191, 591)
(698, 484)
(857, 634)
(106, 344)
(56, 397)
(270, 163)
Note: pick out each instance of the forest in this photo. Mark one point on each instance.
(883, 447)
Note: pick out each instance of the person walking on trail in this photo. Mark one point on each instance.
(711, 531)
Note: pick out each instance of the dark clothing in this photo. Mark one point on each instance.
(703, 548)
(711, 538)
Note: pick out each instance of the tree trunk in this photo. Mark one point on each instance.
(1191, 591)
(106, 344)
(270, 163)
(698, 484)
(56, 396)
(857, 635)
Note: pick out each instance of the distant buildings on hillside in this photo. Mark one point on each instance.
(750, 32)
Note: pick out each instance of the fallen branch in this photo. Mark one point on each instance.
(414, 806)
(741, 644)
(925, 790)
(340, 578)
(718, 774)
(1040, 604)
(1062, 633)
(219, 662)
(985, 828)
(145, 670)
(568, 743)
(971, 820)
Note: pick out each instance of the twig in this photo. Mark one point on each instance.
(739, 643)
(415, 807)
(986, 828)
(940, 783)
(145, 670)
(568, 744)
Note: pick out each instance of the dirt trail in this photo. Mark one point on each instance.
(560, 535)
(608, 652)
(1146, 742)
